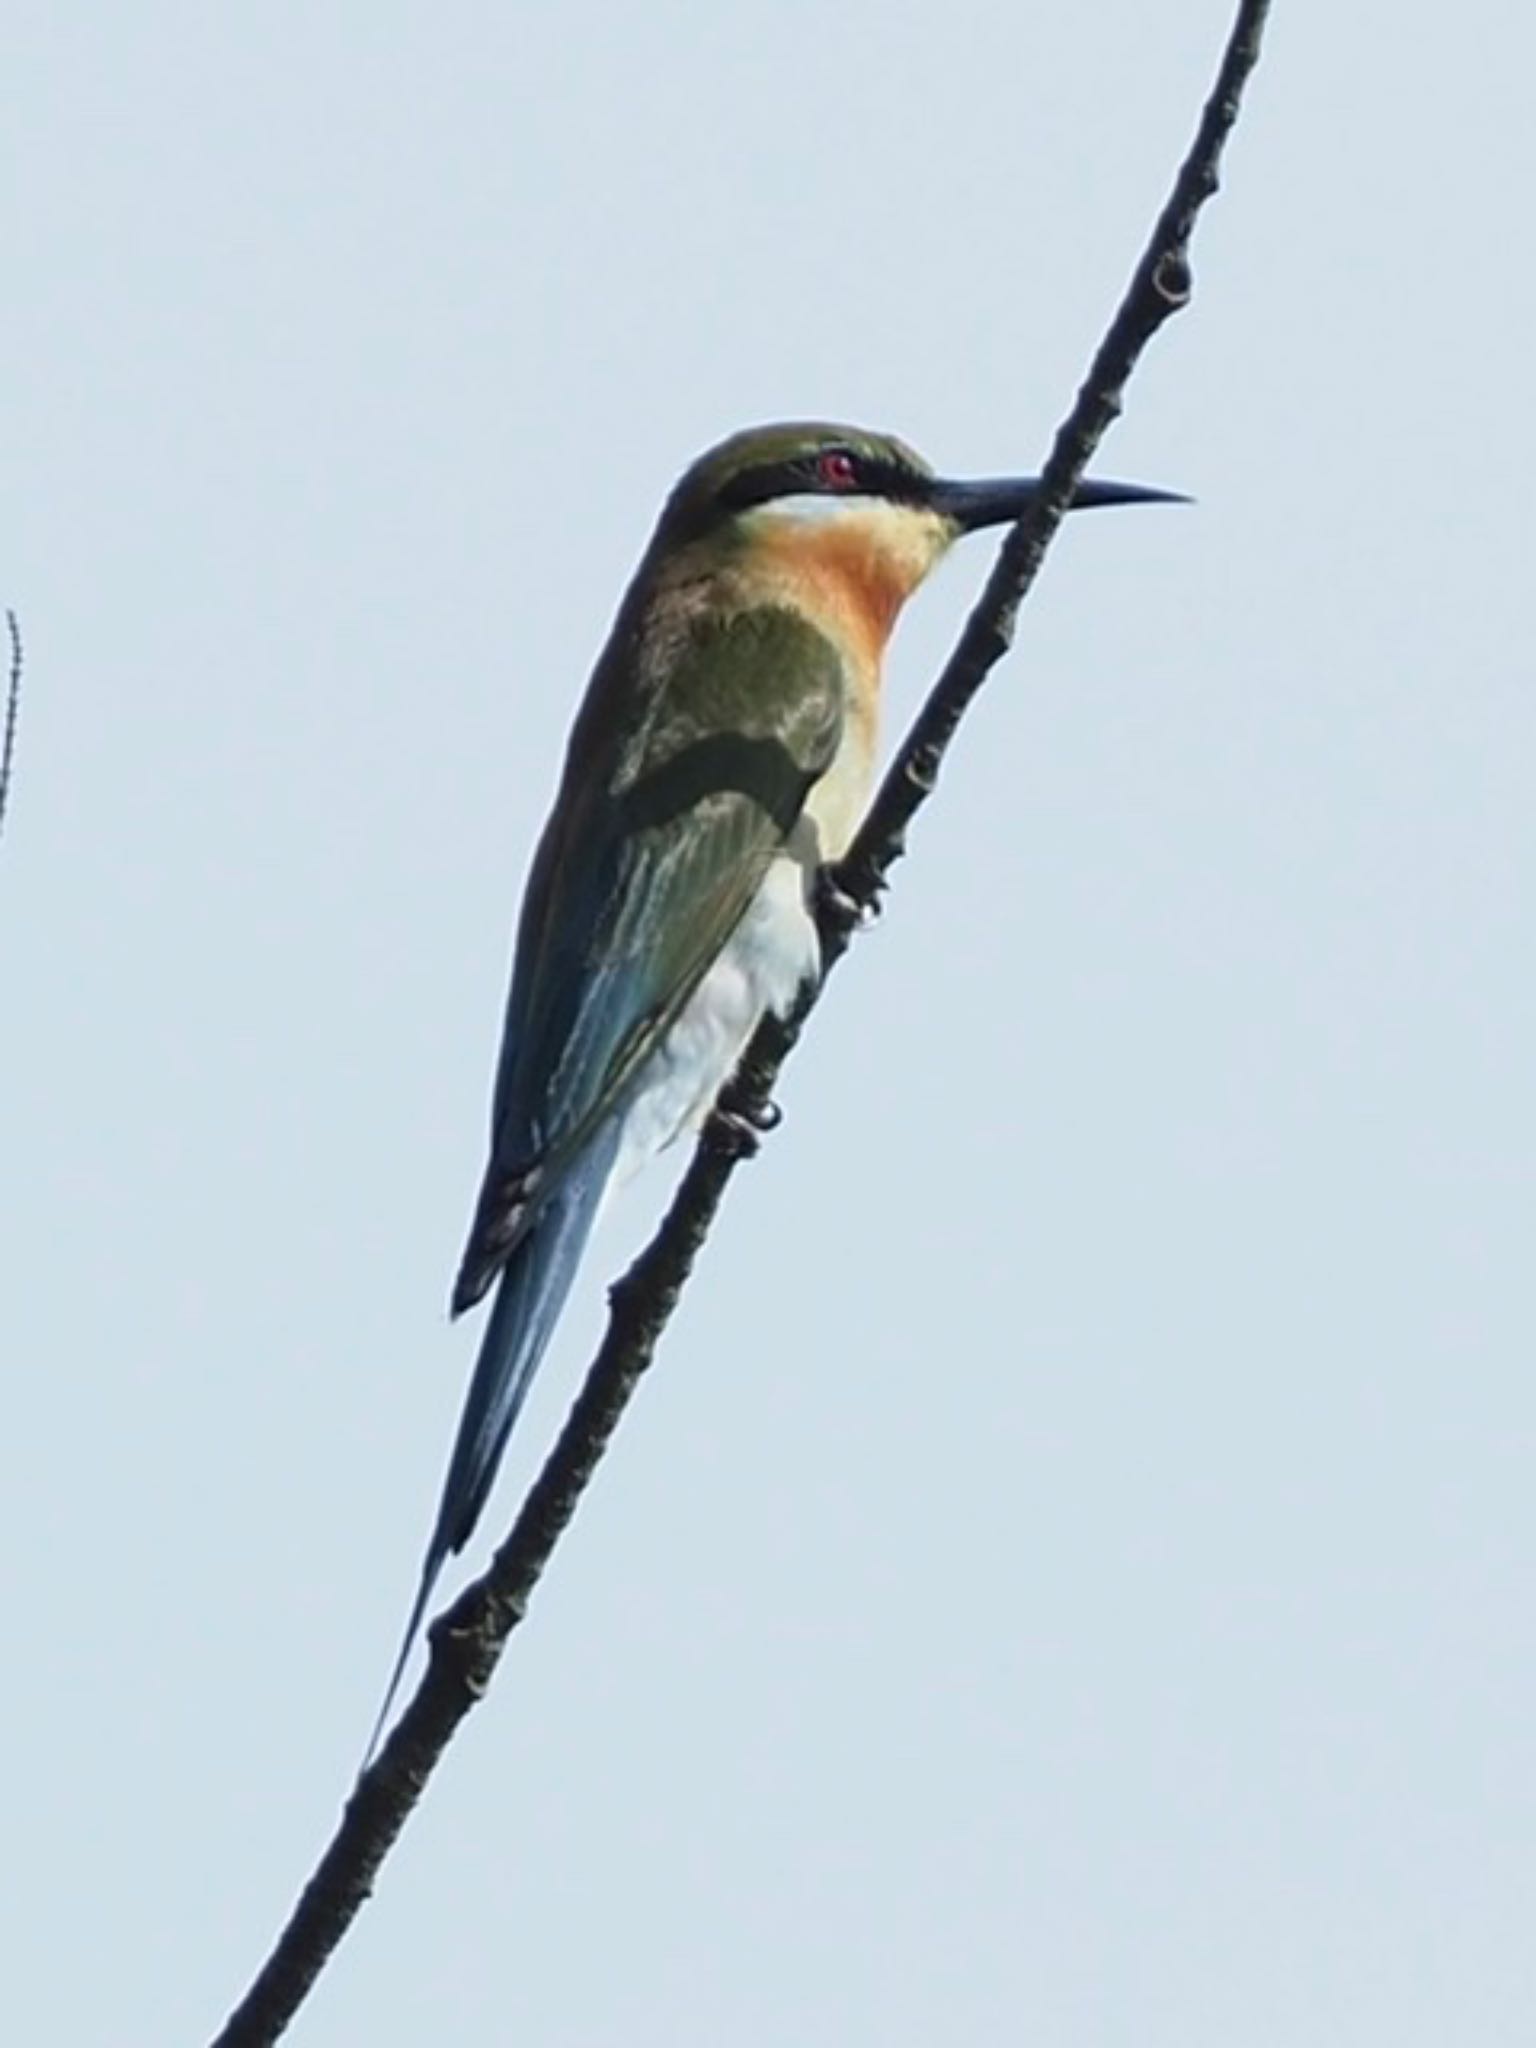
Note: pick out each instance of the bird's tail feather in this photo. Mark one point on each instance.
(529, 1298)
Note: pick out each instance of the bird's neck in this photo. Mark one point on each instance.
(850, 574)
(847, 576)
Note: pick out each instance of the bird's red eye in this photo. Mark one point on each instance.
(837, 469)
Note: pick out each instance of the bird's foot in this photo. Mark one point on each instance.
(838, 906)
(739, 1123)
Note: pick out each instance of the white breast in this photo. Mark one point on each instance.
(763, 963)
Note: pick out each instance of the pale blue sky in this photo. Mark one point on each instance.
(1068, 1580)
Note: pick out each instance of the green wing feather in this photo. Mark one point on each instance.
(665, 826)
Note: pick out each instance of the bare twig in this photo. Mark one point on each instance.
(12, 712)
(468, 1640)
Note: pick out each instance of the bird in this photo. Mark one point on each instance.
(723, 755)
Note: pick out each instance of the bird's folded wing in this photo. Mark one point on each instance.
(654, 852)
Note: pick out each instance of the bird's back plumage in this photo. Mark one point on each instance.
(666, 910)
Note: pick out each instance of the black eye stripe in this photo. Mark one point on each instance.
(872, 477)
(770, 480)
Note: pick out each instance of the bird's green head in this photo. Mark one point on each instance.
(793, 467)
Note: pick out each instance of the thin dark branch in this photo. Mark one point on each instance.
(468, 1640)
(12, 713)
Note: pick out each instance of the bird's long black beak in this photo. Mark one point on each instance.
(995, 501)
